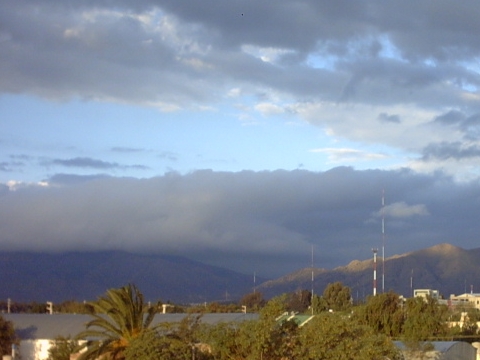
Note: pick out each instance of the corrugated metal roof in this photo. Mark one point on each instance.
(439, 346)
(45, 326)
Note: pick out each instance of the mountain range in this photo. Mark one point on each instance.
(28, 276)
(444, 267)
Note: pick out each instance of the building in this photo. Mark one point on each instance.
(424, 293)
(299, 319)
(467, 299)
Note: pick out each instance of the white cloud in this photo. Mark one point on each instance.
(403, 210)
(338, 155)
(269, 109)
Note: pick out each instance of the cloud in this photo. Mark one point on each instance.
(85, 163)
(269, 109)
(402, 210)
(388, 73)
(122, 149)
(337, 155)
(454, 150)
(397, 76)
(383, 117)
(166, 43)
(168, 155)
(71, 179)
(247, 221)
(89, 163)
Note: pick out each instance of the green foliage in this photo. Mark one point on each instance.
(263, 339)
(337, 297)
(152, 346)
(253, 301)
(227, 340)
(61, 348)
(299, 301)
(168, 342)
(334, 336)
(383, 313)
(425, 319)
(118, 318)
(7, 337)
(274, 308)
(318, 304)
(326, 336)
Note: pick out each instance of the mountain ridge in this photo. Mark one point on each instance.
(443, 267)
(28, 276)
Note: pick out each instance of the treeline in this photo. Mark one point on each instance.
(122, 324)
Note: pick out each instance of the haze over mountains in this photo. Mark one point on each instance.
(85, 276)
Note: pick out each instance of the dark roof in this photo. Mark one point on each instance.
(45, 326)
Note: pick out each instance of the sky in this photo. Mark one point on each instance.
(246, 134)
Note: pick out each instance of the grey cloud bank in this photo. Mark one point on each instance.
(246, 221)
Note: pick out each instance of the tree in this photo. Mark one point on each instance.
(337, 297)
(119, 318)
(7, 337)
(264, 338)
(61, 348)
(383, 313)
(299, 301)
(152, 346)
(253, 301)
(331, 336)
(170, 341)
(425, 319)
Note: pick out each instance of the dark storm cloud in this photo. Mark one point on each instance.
(445, 151)
(452, 117)
(468, 125)
(263, 221)
(173, 52)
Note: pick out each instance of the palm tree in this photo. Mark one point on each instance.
(119, 317)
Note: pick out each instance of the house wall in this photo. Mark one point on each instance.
(34, 349)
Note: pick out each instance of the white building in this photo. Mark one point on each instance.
(469, 299)
(425, 293)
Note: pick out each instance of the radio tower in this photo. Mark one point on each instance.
(374, 271)
(383, 240)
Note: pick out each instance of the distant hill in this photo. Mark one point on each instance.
(40, 277)
(26, 277)
(444, 267)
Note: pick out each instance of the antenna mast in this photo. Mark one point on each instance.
(383, 240)
(311, 301)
